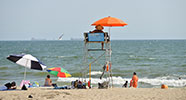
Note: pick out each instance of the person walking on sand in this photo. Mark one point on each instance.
(48, 81)
(134, 81)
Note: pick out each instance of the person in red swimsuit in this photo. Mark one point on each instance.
(134, 81)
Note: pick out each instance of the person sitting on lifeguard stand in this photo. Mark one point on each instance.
(98, 29)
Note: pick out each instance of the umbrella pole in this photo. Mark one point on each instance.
(89, 72)
(25, 74)
(110, 51)
(109, 31)
(25, 70)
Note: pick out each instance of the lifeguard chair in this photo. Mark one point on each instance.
(96, 38)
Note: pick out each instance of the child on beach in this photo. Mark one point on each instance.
(125, 85)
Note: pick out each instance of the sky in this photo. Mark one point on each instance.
(48, 19)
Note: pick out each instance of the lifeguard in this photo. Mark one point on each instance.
(134, 81)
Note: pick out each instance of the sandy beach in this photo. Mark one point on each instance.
(96, 94)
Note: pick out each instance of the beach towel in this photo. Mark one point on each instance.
(62, 87)
(25, 82)
(3, 88)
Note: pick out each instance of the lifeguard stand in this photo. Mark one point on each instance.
(92, 53)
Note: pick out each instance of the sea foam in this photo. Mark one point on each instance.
(121, 81)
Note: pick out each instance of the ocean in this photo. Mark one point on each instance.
(156, 62)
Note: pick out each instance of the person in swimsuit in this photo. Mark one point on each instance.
(48, 81)
(134, 81)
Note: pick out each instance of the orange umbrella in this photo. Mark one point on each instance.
(110, 22)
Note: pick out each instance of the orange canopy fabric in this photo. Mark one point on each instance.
(110, 22)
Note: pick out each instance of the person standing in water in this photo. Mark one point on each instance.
(134, 81)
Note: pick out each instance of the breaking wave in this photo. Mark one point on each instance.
(120, 81)
(95, 73)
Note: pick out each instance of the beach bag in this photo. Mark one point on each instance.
(25, 82)
(24, 88)
(103, 85)
(35, 84)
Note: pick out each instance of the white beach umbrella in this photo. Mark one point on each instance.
(28, 61)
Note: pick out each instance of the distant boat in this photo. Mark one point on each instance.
(36, 39)
(76, 39)
(60, 38)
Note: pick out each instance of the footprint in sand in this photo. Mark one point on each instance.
(66, 93)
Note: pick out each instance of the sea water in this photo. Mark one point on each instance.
(156, 62)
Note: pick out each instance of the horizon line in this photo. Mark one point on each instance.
(83, 39)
